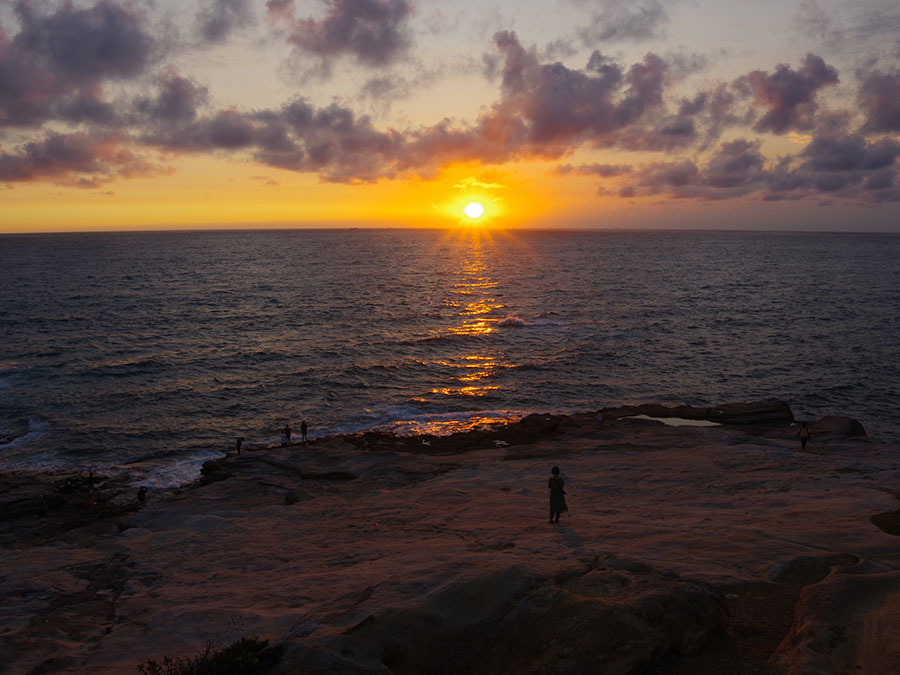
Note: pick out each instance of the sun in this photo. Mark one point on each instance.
(474, 210)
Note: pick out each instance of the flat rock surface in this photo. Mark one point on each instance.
(687, 548)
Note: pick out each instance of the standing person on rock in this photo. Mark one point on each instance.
(804, 435)
(303, 429)
(557, 495)
(286, 435)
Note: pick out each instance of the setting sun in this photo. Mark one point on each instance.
(474, 210)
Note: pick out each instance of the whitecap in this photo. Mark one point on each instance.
(512, 320)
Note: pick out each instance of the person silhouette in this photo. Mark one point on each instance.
(286, 434)
(303, 429)
(804, 435)
(557, 495)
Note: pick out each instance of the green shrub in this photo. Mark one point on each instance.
(247, 656)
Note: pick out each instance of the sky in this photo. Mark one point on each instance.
(722, 114)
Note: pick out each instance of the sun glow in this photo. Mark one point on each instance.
(474, 210)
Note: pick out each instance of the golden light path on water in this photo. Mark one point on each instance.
(473, 302)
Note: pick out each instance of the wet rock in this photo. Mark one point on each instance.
(756, 412)
(837, 427)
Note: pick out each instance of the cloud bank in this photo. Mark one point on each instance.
(93, 93)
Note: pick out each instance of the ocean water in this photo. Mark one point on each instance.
(150, 352)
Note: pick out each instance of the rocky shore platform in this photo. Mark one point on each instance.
(698, 541)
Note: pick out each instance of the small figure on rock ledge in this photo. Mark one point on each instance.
(557, 495)
(804, 435)
(286, 435)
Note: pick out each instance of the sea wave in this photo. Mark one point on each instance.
(17, 435)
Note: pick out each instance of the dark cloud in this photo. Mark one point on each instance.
(226, 130)
(849, 153)
(373, 32)
(386, 88)
(177, 100)
(787, 95)
(82, 45)
(847, 166)
(87, 106)
(54, 65)
(602, 170)
(546, 108)
(739, 162)
(879, 96)
(216, 19)
(669, 174)
(77, 159)
(330, 141)
(619, 20)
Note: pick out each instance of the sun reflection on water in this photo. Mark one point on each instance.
(476, 311)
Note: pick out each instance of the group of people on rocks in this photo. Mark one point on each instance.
(286, 436)
(286, 433)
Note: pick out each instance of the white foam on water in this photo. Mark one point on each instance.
(36, 429)
(512, 320)
(182, 471)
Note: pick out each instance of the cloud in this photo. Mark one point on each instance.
(177, 100)
(373, 32)
(226, 130)
(546, 108)
(486, 181)
(787, 95)
(811, 20)
(842, 165)
(543, 110)
(54, 66)
(216, 19)
(620, 20)
(879, 97)
(386, 88)
(76, 159)
(602, 170)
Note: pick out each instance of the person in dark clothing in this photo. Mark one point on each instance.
(557, 495)
(804, 435)
(303, 429)
(286, 435)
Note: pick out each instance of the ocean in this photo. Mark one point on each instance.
(148, 353)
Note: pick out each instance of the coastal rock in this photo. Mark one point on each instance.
(755, 412)
(604, 620)
(404, 557)
(837, 426)
(847, 623)
(806, 570)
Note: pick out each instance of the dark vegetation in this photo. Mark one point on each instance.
(247, 656)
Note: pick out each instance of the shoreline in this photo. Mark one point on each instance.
(89, 496)
(730, 548)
